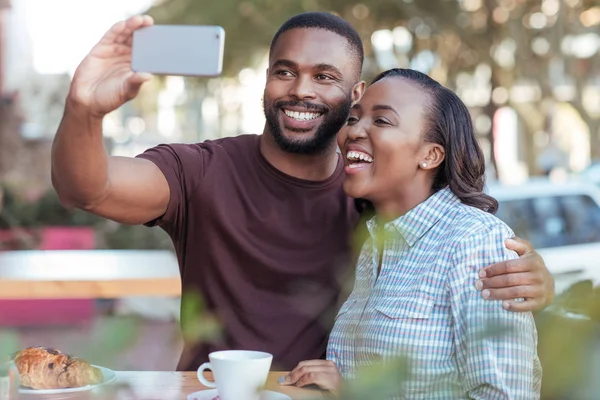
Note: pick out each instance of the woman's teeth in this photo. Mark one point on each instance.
(356, 157)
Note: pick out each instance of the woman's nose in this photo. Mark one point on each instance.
(357, 131)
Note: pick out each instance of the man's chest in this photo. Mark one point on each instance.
(245, 222)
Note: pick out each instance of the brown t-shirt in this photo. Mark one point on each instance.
(265, 251)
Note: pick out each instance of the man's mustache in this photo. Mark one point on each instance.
(302, 104)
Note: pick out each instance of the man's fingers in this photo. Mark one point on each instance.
(135, 82)
(138, 21)
(505, 267)
(522, 306)
(520, 246)
(113, 32)
(124, 36)
(511, 293)
(122, 31)
(508, 280)
(148, 20)
(132, 25)
(121, 50)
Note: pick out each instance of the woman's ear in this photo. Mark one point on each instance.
(434, 156)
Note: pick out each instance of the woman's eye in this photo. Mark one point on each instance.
(352, 120)
(381, 121)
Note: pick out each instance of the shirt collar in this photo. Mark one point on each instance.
(414, 224)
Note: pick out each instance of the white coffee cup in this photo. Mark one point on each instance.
(239, 374)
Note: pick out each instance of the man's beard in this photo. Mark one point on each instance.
(333, 120)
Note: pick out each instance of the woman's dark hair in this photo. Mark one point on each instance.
(448, 123)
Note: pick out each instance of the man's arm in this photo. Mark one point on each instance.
(123, 189)
(127, 190)
(525, 277)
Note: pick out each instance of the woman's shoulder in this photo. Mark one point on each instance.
(470, 221)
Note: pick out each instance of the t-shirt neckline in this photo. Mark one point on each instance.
(339, 170)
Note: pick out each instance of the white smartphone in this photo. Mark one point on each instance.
(186, 50)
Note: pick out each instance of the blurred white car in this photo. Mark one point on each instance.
(561, 220)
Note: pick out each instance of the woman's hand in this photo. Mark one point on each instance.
(322, 373)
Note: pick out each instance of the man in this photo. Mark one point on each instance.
(260, 223)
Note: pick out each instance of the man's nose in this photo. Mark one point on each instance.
(303, 88)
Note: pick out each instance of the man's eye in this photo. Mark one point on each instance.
(323, 77)
(283, 73)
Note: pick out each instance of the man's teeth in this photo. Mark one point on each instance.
(358, 156)
(302, 116)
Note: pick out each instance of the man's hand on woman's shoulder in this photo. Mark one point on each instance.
(525, 277)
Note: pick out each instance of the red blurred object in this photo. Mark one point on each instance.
(23, 312)
(67, 238)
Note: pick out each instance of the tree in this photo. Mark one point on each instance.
(520, 42)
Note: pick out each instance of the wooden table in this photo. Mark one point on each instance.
(167, 386)
(52, 274)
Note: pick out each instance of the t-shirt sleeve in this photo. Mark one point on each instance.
(183, 167)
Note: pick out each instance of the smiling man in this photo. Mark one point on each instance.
(260, 223)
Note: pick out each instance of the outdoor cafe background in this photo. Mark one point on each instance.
(528, 70)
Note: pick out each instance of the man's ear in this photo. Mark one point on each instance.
(357, 91)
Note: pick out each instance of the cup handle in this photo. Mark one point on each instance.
(201, 377)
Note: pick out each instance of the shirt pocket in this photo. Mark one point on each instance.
(417, 306)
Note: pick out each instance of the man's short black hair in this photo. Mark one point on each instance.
(328, 22)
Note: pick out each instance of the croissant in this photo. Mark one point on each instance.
(45, 368)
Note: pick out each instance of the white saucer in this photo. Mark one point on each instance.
(109, 377)
(211, 394)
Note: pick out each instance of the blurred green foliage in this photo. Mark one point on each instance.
(197, 324)
(251, 24)
(379, 381)
(568, 348)
(18, 212)
(27, 217)
(9, 343)
(461, 35)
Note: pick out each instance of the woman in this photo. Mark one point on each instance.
(411, 152)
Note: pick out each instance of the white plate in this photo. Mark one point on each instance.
(109, 376)
(211, 394)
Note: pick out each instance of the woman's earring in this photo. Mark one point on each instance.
(423, 165)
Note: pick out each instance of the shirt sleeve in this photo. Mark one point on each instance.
(183, 166)
(496, 349)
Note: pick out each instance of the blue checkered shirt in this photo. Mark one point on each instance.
(423, 304)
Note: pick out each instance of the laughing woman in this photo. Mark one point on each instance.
(411, 152)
